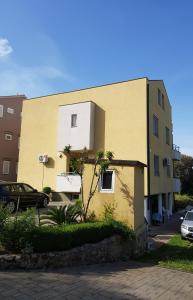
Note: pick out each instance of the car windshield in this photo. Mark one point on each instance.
(189, 216)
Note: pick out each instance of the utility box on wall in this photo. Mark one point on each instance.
(76, 126)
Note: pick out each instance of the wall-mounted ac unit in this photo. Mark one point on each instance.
(43, 158)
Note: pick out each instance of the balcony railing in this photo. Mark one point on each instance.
(68, 182)
(176, 153)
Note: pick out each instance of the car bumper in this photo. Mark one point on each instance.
(186, 234)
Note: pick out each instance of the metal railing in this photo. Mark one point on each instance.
(176, 148)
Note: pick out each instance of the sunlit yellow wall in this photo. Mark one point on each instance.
(158, 146)
(127, 198)
(120, 126)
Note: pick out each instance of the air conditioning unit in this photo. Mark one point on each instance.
(43, 158)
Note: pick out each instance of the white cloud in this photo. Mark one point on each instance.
(5, 48)
(31, 81)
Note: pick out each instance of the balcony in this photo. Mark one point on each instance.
(176, 185)
(176, 153)
(68, 183)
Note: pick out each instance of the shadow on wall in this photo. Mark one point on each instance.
(51, 163)
(99, 143)
(126, 192)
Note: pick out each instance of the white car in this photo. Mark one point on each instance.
(187, 226)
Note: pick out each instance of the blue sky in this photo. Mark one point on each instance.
(50, 46)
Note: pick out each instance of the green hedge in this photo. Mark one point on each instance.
(16, 236)
(58, 238)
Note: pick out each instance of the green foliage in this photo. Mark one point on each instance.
(177, 254)
(47, 190)
(63, 215)
(109, 155)
(16, 232)
(67, 148)
(4, 216)
(109, 211)
(181, 201)
(58, 238)
(184, 169)
(99, 155)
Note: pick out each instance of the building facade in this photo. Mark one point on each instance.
(131, 118)
(10, 126)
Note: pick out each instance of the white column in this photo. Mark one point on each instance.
(170, 202)
(160, 204)
(146, 211)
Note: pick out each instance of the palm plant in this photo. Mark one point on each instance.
(63, 215)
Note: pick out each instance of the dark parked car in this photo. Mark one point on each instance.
(13, 193)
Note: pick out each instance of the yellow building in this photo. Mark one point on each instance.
(130, 118)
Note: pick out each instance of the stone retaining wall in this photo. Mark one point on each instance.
(109, 250)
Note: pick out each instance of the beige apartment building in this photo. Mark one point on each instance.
(10, 126)
(131, 118)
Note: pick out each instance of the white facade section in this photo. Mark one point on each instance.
(176, 155)
(68, 183)
(176, 185)
(81, 135)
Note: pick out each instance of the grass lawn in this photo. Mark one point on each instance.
(177, 254)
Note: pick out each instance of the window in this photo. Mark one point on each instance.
(168, 170)
(159, 98)
(107, 181)
(8, 136)
(1, 111)
(27, 188)
(167, 135)
(73, 120)
(10, 110)
(163, 102)
(156, 165)
(6, 167)
(155, 125)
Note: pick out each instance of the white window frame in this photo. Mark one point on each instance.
(10, 110)
(8, 136)
(6, 167)
(113, 183)
(73, 118)
(1, 111)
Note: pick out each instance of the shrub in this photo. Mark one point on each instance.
(47, 190)
(58, 238)
(63, 215)
(4, 216)
(16, 233)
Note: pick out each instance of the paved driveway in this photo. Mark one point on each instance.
(108, 281)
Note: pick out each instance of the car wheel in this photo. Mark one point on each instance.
(45, 202)
(11, 206)
(182, 237)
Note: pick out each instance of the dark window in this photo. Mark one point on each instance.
(73, 120)
(28, 188)
(155, 126)
(159, 98)
(168, 170)
(163, 102)
(167, 135)
(106, 180)
(156, 165)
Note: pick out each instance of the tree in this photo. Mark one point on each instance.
(101, 163)
(184, 169)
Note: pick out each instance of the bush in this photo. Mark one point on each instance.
(47, 190)
(182, 200)
(16, 233)
(58, 238)
(4, 216)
